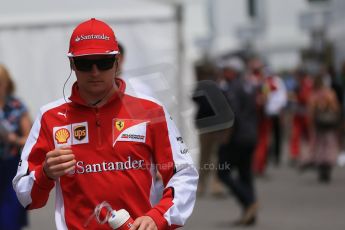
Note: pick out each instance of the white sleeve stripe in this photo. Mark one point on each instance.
(60, 220)
(184, 181)
(54, 104)
(23, 183)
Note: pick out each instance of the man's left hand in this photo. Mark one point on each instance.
(144, 223)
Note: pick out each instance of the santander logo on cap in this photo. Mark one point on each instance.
(92, 37)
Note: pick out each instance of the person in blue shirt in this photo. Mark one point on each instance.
(15, 124)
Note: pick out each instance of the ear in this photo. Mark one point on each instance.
(117, 67)
(71, 64)
(120, 59)
(117, 60)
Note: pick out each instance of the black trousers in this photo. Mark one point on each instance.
(12, 214)
(276, 139)
(239, 156)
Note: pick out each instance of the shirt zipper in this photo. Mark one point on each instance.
(98, 127)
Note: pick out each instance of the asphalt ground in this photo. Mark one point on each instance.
(288, 200)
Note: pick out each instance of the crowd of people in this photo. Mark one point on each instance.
(301, 108)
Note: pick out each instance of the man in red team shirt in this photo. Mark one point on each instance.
(105, 145)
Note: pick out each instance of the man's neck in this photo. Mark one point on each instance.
(99, 100)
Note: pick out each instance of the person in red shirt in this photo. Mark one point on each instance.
(257, 76)
(300, 119)
(105, 145)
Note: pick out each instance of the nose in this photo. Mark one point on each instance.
(95, 71)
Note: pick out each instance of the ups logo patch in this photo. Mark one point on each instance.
(79, 132)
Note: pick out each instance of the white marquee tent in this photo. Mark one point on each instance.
(34, 39)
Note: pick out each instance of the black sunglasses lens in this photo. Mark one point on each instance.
(85, 65)
(105, 63)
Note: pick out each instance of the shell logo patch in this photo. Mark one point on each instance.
(79, 132)
(62, 135)
(120, 125)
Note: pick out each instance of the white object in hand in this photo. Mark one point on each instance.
(120, 220)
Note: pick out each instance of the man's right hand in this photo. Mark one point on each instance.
(59, 162)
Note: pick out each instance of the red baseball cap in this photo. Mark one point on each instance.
(92, 37)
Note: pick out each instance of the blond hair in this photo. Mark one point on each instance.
(6, 75)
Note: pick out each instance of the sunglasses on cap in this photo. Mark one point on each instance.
(85, 65)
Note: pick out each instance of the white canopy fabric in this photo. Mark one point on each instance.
(43, 12)
(34, 38)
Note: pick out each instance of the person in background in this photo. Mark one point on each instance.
(239, 149)
(209, 140)
(15, 125)
(121, 59)
(257, 75)
(324, 112)
(334, 83)
(300, 119)
(276, 102)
